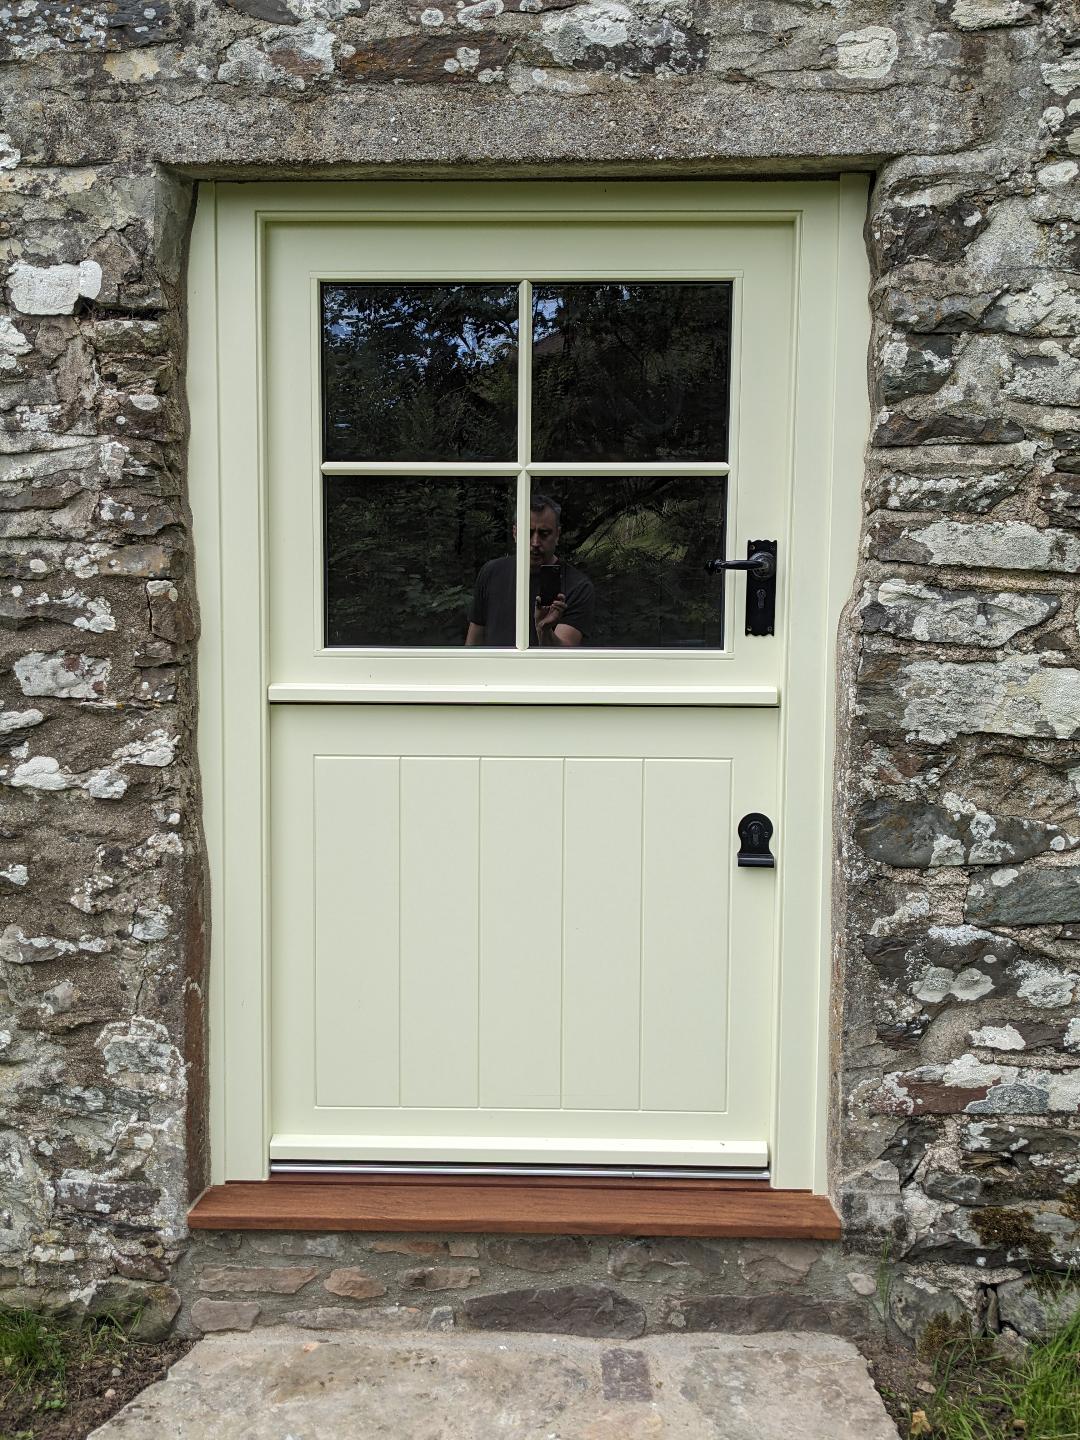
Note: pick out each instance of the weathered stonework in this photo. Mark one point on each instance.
(559, 1284)
(956, 1109)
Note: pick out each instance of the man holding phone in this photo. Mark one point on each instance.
(562, 596)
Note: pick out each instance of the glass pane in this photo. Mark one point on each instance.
(403, 555)
(641, 545)
(419, 372)
(631, 371)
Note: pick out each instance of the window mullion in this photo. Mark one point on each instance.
(521, 549)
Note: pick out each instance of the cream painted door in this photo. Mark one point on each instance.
(508, 919)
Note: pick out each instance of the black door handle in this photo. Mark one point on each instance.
(760, 565)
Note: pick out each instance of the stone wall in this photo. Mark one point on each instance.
(958, 894)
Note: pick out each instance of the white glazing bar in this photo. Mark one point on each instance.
(623, 467)
(524, 485)
(419, 467)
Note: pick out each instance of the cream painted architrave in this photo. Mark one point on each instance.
(826, 392)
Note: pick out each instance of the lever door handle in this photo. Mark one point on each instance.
(760, 567)
(762, 564)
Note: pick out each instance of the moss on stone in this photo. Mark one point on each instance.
(940, 1333)
(1010, 1230)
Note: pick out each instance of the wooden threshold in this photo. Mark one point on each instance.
(518, 1205)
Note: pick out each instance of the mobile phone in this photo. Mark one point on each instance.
(547, 583)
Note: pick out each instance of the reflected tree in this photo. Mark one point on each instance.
(644, 543)
(419, 372)
(402, 555)
(631, 372)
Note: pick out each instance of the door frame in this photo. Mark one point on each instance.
(228, 496)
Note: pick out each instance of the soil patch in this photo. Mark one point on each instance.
(89, 1373)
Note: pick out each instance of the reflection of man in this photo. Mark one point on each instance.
(566, 621)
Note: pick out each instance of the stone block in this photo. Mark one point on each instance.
(562, 1310)
(779, 1262)
(1044, 374)
(403, 1245)
(991, 14)
(106, 25)
(300, 1245)
(1049, 306)
(987, 545)
(624, 1375)
(354, 1284)
(657, 1261)
(970, 1086)
(256, 1279)
(146, 1311)
(1036, 896)
(915, 365)
(1036, 1310)
(1059, 499)
(63, 676)
(53, 289)
(911, 610)
(938, 700)
(213, 1315)
(378, 1318)
(911, 229)
(428, 60)
(946, 427)
(545, 1254)
(274, 12)
(914, 1302)
(440, 1277)
(751, 1314)
(442, 1318)
(920, 835)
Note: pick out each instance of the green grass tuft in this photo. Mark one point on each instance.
(33, 1357)
(1037, 1398)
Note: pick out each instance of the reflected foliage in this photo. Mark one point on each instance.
(631, 372)
(644, 544)
(419, 372)
(402, 555)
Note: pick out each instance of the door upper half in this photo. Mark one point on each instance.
(506, 455)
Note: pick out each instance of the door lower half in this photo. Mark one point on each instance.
(521, 935)
(530, 465)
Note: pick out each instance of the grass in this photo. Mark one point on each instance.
(33, 1358)
(980, 1396)
(51, 1373)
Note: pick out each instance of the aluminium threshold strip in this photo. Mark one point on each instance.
(390, 1169)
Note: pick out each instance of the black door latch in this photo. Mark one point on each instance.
(755, 832)
(760, 565)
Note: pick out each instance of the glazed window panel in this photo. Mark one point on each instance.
(419, 372)
(631, 372)
(642, 544)
(403, 555)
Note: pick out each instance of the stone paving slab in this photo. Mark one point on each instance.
(283, 1384)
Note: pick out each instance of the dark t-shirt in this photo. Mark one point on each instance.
(493, 602)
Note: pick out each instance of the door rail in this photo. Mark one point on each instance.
(292, 692)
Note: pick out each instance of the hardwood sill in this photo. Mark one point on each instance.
(732, 1209)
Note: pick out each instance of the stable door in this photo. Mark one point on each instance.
(530, 467)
